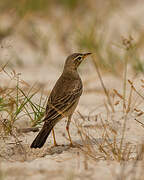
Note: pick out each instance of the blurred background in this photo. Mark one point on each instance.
(43, 32)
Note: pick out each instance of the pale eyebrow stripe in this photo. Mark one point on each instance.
(78, 57)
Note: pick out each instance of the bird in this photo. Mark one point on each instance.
(62, 100)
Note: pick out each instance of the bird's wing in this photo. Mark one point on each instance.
(56, 108)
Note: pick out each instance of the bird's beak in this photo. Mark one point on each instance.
(86, 54)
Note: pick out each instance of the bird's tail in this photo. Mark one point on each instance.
(42, 136)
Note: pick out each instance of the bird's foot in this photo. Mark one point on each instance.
(55, 145)
(72, 145)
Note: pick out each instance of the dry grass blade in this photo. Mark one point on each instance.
(27, 130)
(129, 101)
(142, 124)
(132, 86)
(102, 83)
(118, 94)
(125, 82)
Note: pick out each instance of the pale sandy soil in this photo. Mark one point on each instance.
(64, 162)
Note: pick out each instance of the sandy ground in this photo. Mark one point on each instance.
(64, 162)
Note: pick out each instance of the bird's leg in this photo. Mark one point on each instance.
(67, 128)
(53, 134)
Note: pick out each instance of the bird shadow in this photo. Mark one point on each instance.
(66, 147)
(58, 149)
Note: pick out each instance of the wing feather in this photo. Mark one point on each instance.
(56, 109)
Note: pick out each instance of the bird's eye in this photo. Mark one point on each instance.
(79, 58)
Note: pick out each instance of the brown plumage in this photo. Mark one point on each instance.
(63, 99)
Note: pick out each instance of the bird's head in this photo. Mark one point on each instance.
(74, 60)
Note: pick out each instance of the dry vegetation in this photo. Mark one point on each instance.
(108, 134)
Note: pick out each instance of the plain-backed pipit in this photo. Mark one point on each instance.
(63, 99)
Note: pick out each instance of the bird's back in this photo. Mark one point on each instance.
(65, 93)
